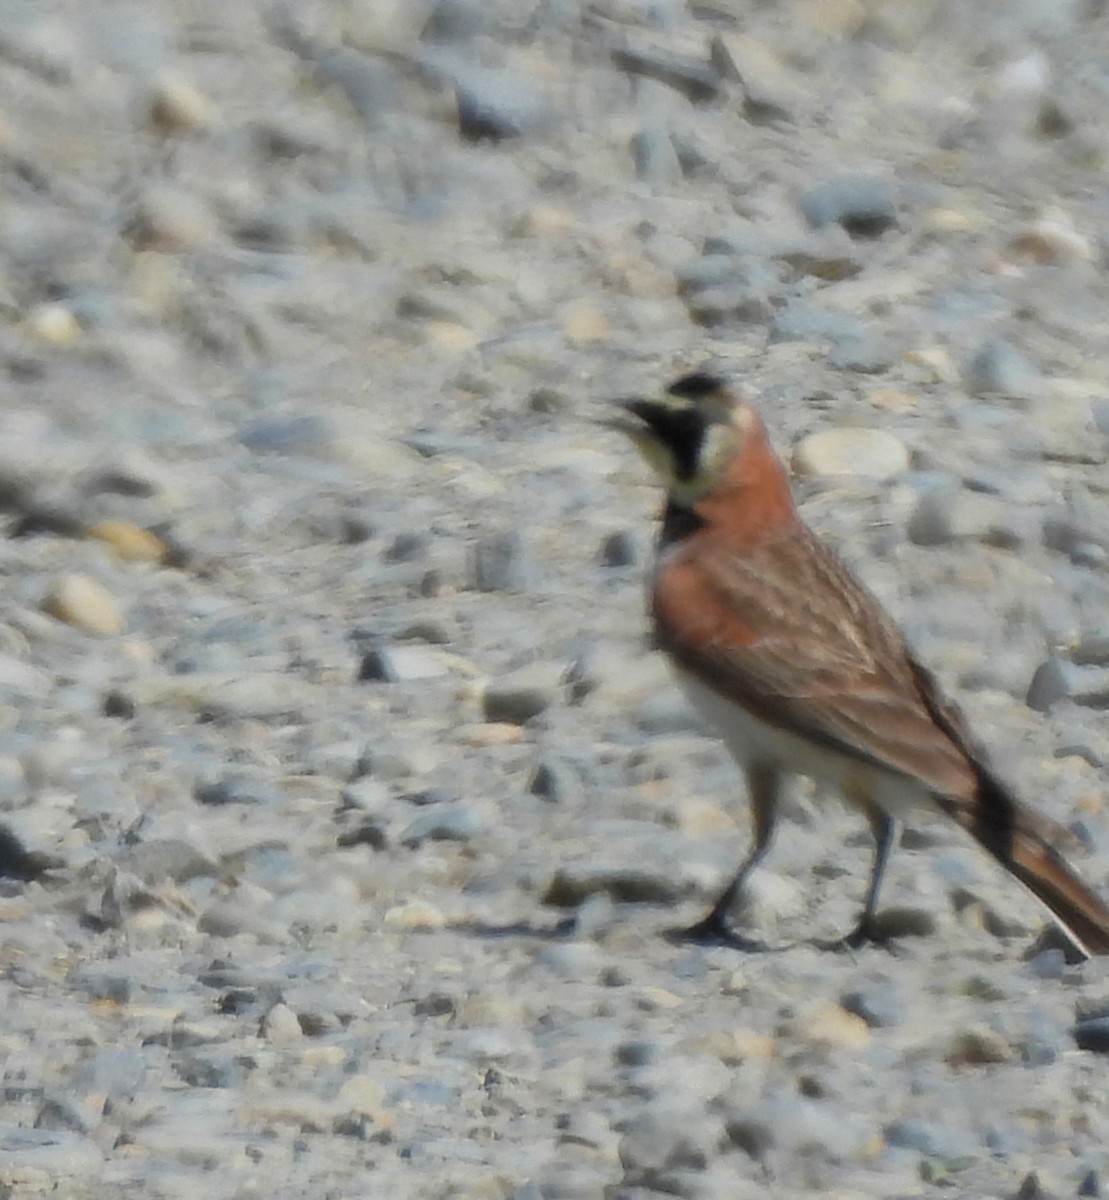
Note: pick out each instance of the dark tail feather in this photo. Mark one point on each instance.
(1024, 842)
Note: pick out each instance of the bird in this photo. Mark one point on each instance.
(799, 669)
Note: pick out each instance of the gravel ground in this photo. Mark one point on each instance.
(324, 683)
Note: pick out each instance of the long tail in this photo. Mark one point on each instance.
(1026, 844)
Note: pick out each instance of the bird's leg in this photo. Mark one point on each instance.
(884, 828)
(762, 788)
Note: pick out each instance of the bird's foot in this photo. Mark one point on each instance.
(868, 932)
(714, 930)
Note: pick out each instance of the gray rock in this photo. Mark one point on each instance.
(456, 21)
(862, 453)
(558, 781)
(932, 1139)
(169, 858)
(517, 697)
(400, 664)
(369, 84)
(449, 823)
(656, 160)
(665, 1151)
(1057, 679)
(233, 789)
(998, 368)
(501, 563)
(695, 79)
(1090, 1184)
(801, 322)
(619, 549)
(1092, 1033)
(303, 434)
(769, 92)
(58, 1154)
(495, 105)
(866, 356)
(864, 205)
(880, 1005)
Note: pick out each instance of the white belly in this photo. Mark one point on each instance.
(751, 740)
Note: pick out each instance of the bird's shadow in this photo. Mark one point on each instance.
(563, 930)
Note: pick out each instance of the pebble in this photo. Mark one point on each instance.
(862, 453)
(129, 542)
(500, 562)
(996, 367)
(401, 664)
(171, 220)
(53, 324)
(864, 205)
(978, 1045)
(85, 603)
(620, 549)
(495, 105)
(769, 91)
(881, 1006)
(177, 106)
(1092, 1033)
(449, 823)
(1057, 679)
(414, 915)
(281, 1027)
(558, 781)
(656, 160)
(519, 696)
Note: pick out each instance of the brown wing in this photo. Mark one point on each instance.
(787, 631)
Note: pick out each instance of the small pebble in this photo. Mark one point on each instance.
(864, 205)
(129, 542)
(517, 697)
(178, 106)
(85, 603)
(501, 563)
(863, 453)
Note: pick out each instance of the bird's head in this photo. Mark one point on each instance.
(691, 435)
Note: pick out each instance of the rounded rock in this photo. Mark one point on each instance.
(85, 603)
(858, 453)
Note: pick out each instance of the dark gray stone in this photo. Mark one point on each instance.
(443, 823)
(665, 1151)
(495, 105)
(501, 563)
(801, 322)
(305, 434)
(620, 549)
(400, 664)
(880, 1005)
(1058, 679)
(864, 205)
(370, 85)
(867, 355)
(656, 161)
(557, 781)
(233, 789)
(696, 79)
(931, 1138)
(998, 368)
(1092, 1033)
(521, 695)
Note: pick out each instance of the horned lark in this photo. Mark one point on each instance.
(800, 670)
